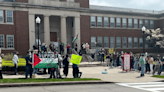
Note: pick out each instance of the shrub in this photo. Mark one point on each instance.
(8, 56)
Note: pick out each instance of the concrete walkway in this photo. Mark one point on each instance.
(114, 75)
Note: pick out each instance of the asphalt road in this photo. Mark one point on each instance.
(73, 88)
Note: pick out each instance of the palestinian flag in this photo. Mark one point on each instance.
(44, 62)
(75, 38)
(61, 42)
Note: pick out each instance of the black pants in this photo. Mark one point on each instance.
(1, 77)
(76, 72)
(52, 73)
(29, 70)
(15, 69)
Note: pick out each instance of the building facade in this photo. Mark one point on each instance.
(110, 27)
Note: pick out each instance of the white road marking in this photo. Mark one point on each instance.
(147, 86)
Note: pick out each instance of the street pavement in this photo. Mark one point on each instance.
(114, 75)
(74, 88)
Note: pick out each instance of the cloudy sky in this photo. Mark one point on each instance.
(137, 4)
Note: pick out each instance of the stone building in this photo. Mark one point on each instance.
(110, 27)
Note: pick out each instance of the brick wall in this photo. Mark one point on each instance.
(22, 1)
(83, 3)
(87, 32)
(20, 31)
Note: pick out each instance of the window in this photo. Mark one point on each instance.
(99, 21)
(106, 22)
(141, 42)
(93, 40)
(147, 24)
(7, 0)
(99, 41)
(135, 42)
(141, 23)
(9, 16)
(1, 15)
(151, 24)
(129, 23)
(112, 22)
(106, 42)
(151, 43)
(124, 42)
(10, 41)
(130, 42)
(112, 42)
(118, 22)
(93, 21)
(135, 23)
(118, 41)
(2, 44)
(124, 23)
(146, 43)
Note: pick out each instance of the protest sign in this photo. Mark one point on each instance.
(45, 61)
(126, 62)
(111, 50)
(75, 59)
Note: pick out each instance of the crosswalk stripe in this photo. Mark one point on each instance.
(147, 86)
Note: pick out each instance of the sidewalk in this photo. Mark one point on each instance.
(114, 75)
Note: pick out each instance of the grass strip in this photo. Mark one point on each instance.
(158, 76)
(22, 80)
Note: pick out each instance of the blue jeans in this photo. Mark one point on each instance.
(136, 65)
(161, 69)
(143, 69)
(29, 70)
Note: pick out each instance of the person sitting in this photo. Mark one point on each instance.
(76, 71)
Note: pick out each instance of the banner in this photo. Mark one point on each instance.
(75, 59)
(111, 50)
(45, 61)
(126, 62)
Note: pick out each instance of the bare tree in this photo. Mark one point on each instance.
(156, 36)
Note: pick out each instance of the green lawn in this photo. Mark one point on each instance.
(21, 80)
(158, 76)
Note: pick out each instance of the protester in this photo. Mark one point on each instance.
(108, 59)
(80, 53)
(151, 60)
(102, 55)
(136, 63)
(114, 59)
(142, 64)
(147, 65)
(118, 60)
(121, 59)
(92, 54)
(76, 71)
(132, 61)
(66, 66)
(15, 61)
(84, 48)
(87, 48)
(76, 47)
(59, 65)
(1, 77)
(157, 66)
(61, 48)
(29, 64)
(162, 66)
(68, 48)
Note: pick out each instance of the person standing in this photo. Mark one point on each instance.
(68, 47)
(142, 64)
(15, 61)
(157, 66)
(136, 63)
(102, 55)
(118, 60)
(76, 47)
(108, 59)
(1, 77)
(59, 65)
(87, 48)
(132, 61)
(61, 48)
(29, 64)
(66, 65)
(151, 60)
(162, 66)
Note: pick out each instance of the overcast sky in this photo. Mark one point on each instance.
(137, 4)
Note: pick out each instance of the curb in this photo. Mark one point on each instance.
(4, 85)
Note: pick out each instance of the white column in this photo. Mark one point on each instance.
(31, 30)
(77, 31)
(63, 32)
(46, 29)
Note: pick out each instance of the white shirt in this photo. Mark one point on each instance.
(0, 63)
(15, 59)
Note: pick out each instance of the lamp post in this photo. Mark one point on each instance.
(143, 30)
(38, 20)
